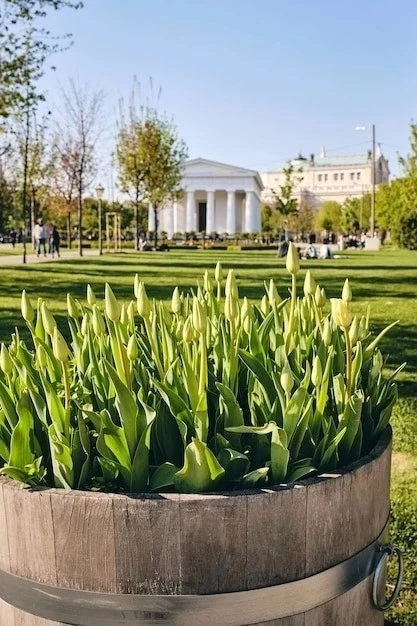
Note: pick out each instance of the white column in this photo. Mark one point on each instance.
(151, 218)
(170, 220)
(190, 212)
(252, 213)
(176, 217)
(231, 213)
(211, 212)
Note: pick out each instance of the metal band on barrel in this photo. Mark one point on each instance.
(90, 608)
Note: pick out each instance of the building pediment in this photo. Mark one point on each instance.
(204, 168)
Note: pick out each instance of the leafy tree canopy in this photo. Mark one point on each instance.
(24, 49)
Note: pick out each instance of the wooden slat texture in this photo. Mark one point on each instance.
(30, 533)
(276, 537)
(147, 544)
(369, 501)
(4, 543)
(84, 541)
(213, 543)
(328, 503)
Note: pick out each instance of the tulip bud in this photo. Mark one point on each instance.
(124, 319)
(317, 373)
(143, 304)
(305, 311)
(6, 364)
(99, 327)
(39, 327)
(207, 282)
(309, 284)
(293, 261)
(347, 291)
(327, 333)
(340, 313)
(273, 295)
(91, 296)
(287, 379)
(354, 330)
(231, 309)
(218, 273)
(132, 349)
(231, 285)
(199, 316)
(136, 285)
(84, 325)
(187, 331)
(265, 305)
(28, 313)
(113, 308)
(176, 301)
(59, 346)
(48, 319)
(72, 306)
(131, 312)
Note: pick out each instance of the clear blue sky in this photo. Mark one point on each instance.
(252, 82)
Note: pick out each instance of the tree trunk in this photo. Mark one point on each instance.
(80, 224)
(155, 211)
(137, 225)
(69, 230)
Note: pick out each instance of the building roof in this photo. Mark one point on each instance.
(338, 160)
(207, 167)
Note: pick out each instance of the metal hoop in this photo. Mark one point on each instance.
(387, 550)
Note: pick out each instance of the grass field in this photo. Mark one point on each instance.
(386, 280)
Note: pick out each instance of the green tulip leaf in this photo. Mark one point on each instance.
(201, 471)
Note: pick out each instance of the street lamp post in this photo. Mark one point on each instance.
(99, 193)
(372, 221)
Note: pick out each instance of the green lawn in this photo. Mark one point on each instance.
(386, 280)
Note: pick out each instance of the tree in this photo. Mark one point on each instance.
(154, 160)
(303, 220)
(75, 144)
(24, 49)
(356, 214)
(329, 217)
(129, 157)
(284, 201)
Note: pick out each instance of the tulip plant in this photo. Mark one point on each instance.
(209, 393)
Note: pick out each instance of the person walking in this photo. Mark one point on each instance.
(39, 233)
(55, 241)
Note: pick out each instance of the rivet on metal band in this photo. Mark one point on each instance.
(89, 608)
(386, 551)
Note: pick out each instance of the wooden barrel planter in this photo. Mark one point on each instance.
(298, 555)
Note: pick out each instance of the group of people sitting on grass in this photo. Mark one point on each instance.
(311, 252)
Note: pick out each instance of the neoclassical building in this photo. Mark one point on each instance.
(334, 177)
(217, 198)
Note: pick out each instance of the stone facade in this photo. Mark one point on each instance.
(330, 178)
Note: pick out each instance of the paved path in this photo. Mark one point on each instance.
(31, 258)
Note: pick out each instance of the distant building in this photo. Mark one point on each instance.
(330, 177)
(217, 198)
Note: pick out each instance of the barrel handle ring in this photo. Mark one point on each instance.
(387, 550)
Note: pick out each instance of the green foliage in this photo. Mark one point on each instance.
(151, 159)
(329, 217)
(356, 214)
(24, 49)
(284, 201)
(211, 393)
